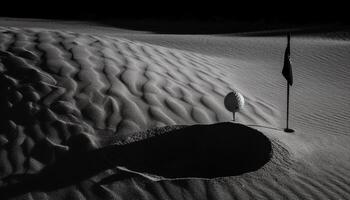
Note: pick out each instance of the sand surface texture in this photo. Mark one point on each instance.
(79, 111)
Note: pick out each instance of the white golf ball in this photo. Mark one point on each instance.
(234, 101)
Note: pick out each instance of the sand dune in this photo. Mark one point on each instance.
(67, 95)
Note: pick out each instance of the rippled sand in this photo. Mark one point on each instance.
(68, 98)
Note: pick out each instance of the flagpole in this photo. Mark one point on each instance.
(287, 106)
(287, 129)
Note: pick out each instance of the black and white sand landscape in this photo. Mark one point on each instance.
(95, 111)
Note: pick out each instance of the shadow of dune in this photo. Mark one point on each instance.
(70, 169)
(204, 151)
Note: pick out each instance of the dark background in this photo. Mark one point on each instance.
(189, 16)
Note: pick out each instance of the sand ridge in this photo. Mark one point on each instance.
(93, 84)
(75, 66)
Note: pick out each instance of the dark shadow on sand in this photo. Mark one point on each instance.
(203, 151)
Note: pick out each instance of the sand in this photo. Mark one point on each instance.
(83, 110)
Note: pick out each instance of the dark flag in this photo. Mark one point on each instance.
(287, 67)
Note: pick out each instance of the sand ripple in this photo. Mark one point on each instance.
(63, 91)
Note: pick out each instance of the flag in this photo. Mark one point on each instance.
(287, 67)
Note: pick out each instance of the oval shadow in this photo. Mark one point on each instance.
(203, 151)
